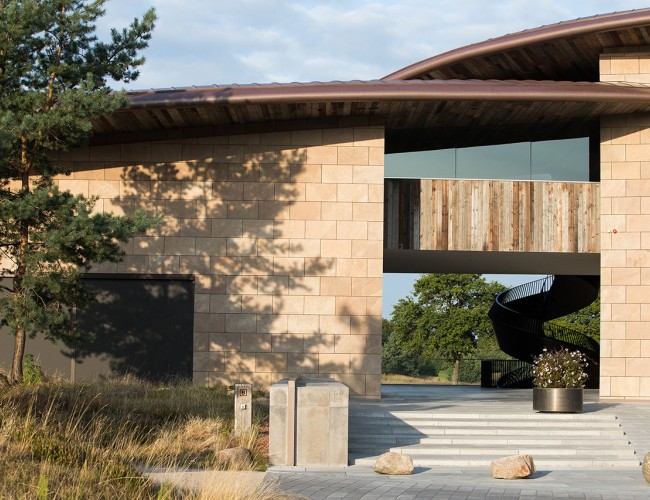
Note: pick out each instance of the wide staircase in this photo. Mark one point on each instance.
(521, 318)
(474, 439)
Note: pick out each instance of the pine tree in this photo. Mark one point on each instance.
(53, 83)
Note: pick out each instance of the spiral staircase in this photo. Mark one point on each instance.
(521, 320)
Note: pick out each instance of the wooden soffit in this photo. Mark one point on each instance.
(417, 114)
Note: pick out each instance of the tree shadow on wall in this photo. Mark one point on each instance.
(235, 217)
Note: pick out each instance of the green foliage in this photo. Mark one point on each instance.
(53, 73)
(470, 371)
(32, 372)
(65, 238)
(446, 317)
(585, 321)
(393, 359)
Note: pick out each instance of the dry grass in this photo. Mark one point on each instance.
(86, 440)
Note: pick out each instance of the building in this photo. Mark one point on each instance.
(278, 225)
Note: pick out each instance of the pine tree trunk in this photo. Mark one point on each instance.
(454, 373)
(19, 352)
(21, 334)
(21, 268)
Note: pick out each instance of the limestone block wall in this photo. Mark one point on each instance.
(625, 239)
(283, 233)
(630, 64)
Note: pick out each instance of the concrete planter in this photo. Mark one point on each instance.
(558, 400)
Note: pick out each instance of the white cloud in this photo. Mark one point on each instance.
(198, 42)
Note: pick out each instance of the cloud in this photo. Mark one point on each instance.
(198, 42)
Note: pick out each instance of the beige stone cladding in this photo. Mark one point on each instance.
(625, 239)
(283, 232)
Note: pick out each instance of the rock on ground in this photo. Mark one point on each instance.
(514, 467)
(646, 467)
(237, 457)
(394, 463)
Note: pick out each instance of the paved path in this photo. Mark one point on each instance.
(358, 482)
(361, 483)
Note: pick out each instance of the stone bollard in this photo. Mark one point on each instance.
(308, 423)
(645, 468)
(243, 407)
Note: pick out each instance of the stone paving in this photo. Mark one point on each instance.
(361, 483)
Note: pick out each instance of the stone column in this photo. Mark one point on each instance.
(625, 238)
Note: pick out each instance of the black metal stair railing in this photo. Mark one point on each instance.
(581, 341)
(525, 290)
(521, 318)
(521, 377)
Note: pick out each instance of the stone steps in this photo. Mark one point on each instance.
(418, 449)
(405, 415)
(541, 462)
(408, 431)
(468, 440)
(393, 440)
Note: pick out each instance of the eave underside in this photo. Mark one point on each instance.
(419, 116)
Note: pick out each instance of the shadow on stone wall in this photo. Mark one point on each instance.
(241, 225)
(235, 217)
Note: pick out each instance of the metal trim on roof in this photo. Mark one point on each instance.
(396, 90)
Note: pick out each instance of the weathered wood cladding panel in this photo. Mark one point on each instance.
(478, 215)
(402, 213)
(518, 216)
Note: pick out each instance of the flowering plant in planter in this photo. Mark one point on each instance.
(560, 369)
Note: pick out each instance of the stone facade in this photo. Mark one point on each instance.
(283, 233)
(625, 238)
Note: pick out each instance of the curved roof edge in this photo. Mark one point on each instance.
(603, 22)
(394, 90)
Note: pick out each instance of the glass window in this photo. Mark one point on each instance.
(505, 161)
(437, 164)
(566, 160)
(561, 160)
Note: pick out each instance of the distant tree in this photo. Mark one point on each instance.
(393, 358)
(585, 321)
(447, 315)
(53, 73)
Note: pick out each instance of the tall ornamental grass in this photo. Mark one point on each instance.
(94, 440)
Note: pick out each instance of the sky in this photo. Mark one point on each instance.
(204, 42)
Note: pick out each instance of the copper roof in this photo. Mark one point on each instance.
(489, 99)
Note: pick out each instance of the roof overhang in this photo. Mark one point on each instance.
(416, 114)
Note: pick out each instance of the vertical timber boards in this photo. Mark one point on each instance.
(515, 216)
(402, 224)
